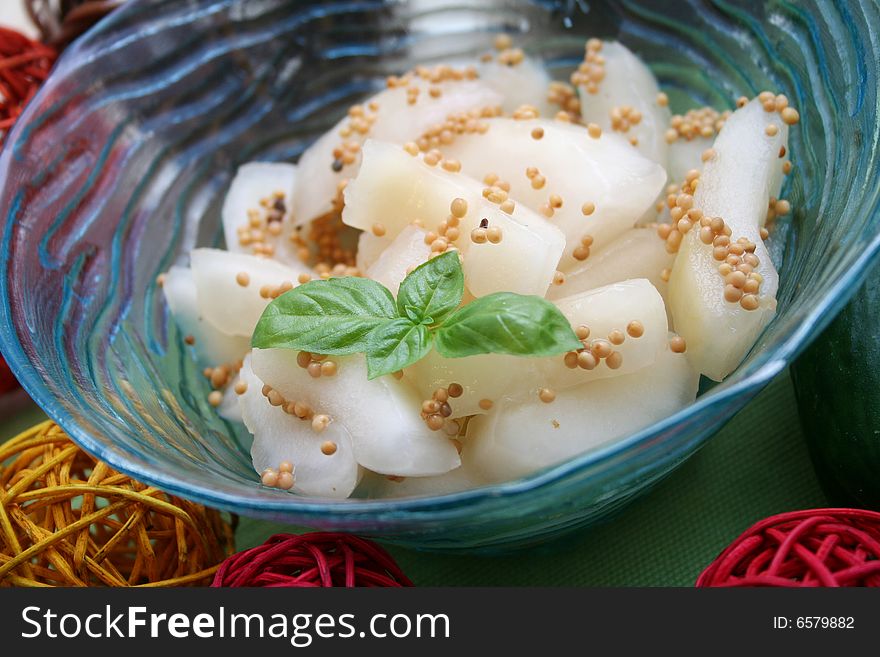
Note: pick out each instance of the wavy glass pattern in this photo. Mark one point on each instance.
(120, 164)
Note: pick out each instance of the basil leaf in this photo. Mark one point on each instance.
(333, 317)
(395, 345)
(413, 314)
(434, 288)
(506, 323)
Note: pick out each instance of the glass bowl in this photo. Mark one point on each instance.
(120, 164)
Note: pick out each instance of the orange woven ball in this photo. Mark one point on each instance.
(67, 519)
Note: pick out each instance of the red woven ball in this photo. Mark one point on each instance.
(321, 559)
(817, 547)
(7, 380)
(24, 65)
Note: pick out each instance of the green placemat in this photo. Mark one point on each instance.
(14, 421)
(755, 467)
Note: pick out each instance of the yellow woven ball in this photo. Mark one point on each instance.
(67, 519)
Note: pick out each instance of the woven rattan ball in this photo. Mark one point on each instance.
(24, 64)
(67, 519)
(319, 559)
(818, 547)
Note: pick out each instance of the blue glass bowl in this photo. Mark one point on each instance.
(120, 164)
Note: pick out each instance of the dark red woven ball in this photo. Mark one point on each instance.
(7, 380)
(817, 547)
(24, 65)
(321, 559)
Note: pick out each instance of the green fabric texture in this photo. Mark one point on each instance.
(755, 467)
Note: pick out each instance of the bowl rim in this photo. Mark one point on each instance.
(731, 396)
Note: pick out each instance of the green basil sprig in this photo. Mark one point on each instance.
(341, 316)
